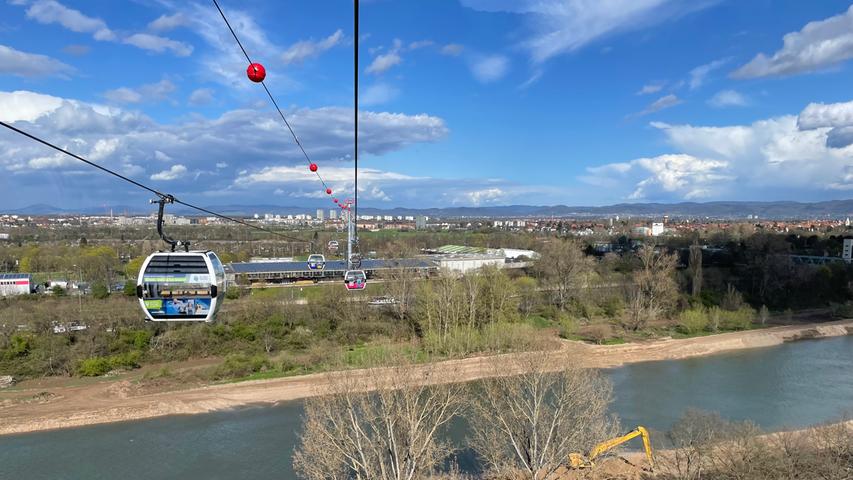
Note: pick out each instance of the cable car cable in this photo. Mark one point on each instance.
(249, 59)
(145, 187)
(355, 82)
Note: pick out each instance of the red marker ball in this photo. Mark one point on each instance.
(328, 191)
(336, 200)
(256, 72)
(312, 167)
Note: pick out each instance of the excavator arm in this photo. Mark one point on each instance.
(577, 460)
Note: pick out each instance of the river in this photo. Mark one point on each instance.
(791, 385)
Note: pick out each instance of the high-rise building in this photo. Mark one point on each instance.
(333, 214)
(320, 214)
(421, 222)
(847, 250)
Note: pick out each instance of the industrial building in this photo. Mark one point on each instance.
(288, 272)
(15, 284)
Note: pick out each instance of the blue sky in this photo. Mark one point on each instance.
(463, 102)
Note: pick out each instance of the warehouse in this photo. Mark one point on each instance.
(15, 284)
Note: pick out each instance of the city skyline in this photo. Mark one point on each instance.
(464, 103)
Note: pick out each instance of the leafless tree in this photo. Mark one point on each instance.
(695, 266)
(381, 425)
(400, 285)
(564, 268)
(532, 421)
(654, 291)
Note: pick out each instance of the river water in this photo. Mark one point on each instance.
(791, 385)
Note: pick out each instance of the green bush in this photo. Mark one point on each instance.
(240, 365)
(96, 366)
(129, 288)
(740, 319)
(100, 291)
(568, 325)
(232, 293)
(693, 321)
(58, 291)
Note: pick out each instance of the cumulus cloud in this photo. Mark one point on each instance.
(153, 92)
(23, 64)
(452, 49)
(169, 22)
(651, 88)
(836, 117)
(489, 68)
(420, 44)
(378, 94)
(383, 62)
(235, 141)
(201, 96)
(174, 173)
(728, 98)
(492, 195)
(50, 11)
(300, 51)
(155, 43)
(699, 74)
(561, 26)
(818, 45)
(662, 103)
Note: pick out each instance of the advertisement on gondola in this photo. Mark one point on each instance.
(176, 307)
(200, 278)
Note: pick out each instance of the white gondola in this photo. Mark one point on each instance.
(316, 262)
(355, 280)
(181, 286)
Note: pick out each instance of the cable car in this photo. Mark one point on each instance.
(355, 280)
(181, 286)
(316, 262)
(333, 246)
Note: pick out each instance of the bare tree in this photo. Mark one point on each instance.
(695, 266)
(564, 268)
(391, 433)
(531, 422)
(654, 291)
(401, 286)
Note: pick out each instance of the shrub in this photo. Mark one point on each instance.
(693, 321)
(240, 365)
(232, 293)
(100, 291)
(129, 288)
(96, 366)
(568, 325)
(58, 291)
(740, 319)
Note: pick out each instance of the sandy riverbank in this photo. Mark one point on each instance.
(115, 401)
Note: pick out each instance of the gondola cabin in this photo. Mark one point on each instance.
(355, 280)
(316, 262)
(181, 286)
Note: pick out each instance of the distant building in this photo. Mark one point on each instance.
(320, 215)
(421, 222)
(657, 229)
(847, 250)
(15, 284)
(333, 214)
(4, 236)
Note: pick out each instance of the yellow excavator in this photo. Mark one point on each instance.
(577, 460)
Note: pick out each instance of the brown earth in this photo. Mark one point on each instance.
(49, 405)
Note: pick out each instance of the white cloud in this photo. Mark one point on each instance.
(300, 51)
(155, 43)
(452, 49)
(201, 96)
(50, 11)
(699, 74)
(23, 64)
(169, 22)
(489, 68)
(378, 94)
(158, 155)
(26, 106)
(837, 117)
(383, 62)
(221, 165)
(561, 26)
(76, 50)
(488, 195)
(177, 171)
(818, 45)
(651, 88)
(728, 98)
(420, 44)
(662, 103)
(154, 92)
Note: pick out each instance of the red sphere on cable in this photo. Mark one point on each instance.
(312, 167)
(328, 191)
(336, 200)
(256, 72)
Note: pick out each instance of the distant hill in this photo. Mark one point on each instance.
(766, 210)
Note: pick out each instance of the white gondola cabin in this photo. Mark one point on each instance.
(316, 262)
(181, 286)
(355, 280)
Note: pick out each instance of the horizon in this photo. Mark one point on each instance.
(463, 103)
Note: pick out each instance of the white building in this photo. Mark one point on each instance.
(15, 284)
(467, 263)
(657, 229)
(847, 250)
(320, 215)
(333, 214)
